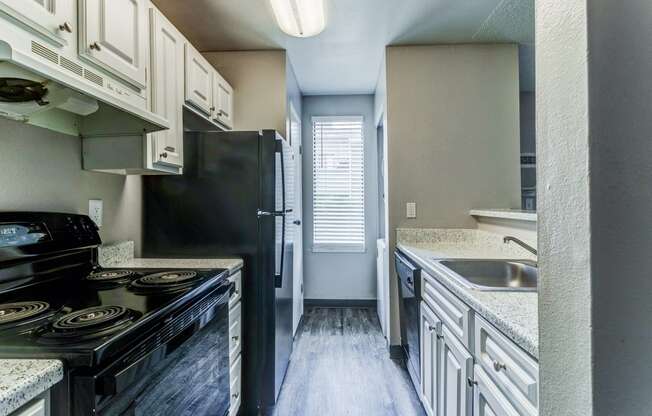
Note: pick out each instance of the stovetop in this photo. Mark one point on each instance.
(91, 315)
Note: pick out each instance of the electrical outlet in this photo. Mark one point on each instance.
(95, 209)
(411, 210)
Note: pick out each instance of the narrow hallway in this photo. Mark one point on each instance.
(341, 366)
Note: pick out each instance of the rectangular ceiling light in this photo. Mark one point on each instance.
(300, 18)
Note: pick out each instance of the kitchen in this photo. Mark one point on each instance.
(324, 207)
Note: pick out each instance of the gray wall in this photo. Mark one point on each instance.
(452, 125)
(259, 82)
(42, 171)
(594, 107)
(341, 275)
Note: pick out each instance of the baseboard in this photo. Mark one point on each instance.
(340, 303)
(396, 352)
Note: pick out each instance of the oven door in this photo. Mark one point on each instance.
(187, 373)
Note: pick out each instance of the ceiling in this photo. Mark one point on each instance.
(346, 57)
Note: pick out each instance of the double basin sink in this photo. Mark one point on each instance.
(492, 274)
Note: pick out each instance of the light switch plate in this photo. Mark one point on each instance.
(411, 210)
(95, 208)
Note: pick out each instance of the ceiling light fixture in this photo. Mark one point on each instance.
(300, 18)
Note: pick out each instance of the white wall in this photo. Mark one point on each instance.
(341, 276)
(42, 171)
(452, 126)
(594, 107)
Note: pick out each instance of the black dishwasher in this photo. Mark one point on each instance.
(409, 289)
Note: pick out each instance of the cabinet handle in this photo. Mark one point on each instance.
(163, 155)
(471, 382)
(431, 328)
(235, 339)
(499, 366)
(65, 27)
(212, 108)
(220, 113)
(95, 46)
(235, 396)
(170, 148)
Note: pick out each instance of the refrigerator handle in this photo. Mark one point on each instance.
(280, 148)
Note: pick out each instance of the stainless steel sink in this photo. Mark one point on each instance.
(494, 275)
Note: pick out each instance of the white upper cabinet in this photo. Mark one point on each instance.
(55, 20)
(113, 35)
(222, 101)
(199, 81)
(167, 46)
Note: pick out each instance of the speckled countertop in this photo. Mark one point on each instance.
(122, 255)
(514, 313)
(22, 380)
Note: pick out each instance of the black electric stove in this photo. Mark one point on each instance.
(123, 334)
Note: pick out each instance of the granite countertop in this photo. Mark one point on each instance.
(122, 255)
(22, 380)
(515, 314)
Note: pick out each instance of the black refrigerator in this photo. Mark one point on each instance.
(232, 200)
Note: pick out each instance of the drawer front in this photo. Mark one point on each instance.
(35, 408)
(237, 294)
(488, 400)
(511, 368)
(236, 386)
(235, 332)
(454, 313)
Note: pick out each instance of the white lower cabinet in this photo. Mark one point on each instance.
(235, 344)
(488, 399)
(40, 406)
(455, 373)
(469, 368)
(430, 348)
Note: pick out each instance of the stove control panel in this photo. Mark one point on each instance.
(21, 234)
(25, 234)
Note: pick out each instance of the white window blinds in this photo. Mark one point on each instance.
(338, 184)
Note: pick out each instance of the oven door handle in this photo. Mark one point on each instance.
(116, 382)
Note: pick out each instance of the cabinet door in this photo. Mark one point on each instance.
(167, 88)
(223, 101)
(455, 371)
(488, 399)
(53, 19)
(113, 35)
(199, 81)
(430, 351)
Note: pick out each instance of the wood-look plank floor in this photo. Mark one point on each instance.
(340, 366)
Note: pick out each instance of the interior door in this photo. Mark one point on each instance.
(295, 140)
(167, 88)
(54, 19)
(114, 36)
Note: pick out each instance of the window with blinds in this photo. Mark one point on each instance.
(338, 184)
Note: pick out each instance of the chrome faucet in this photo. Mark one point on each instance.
(529, 248)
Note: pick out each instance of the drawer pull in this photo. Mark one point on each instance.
(471, 382)
(431, 328)
(95, 46)
(170, 148)
(163, 155)
(65, 27)
(499, 366)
